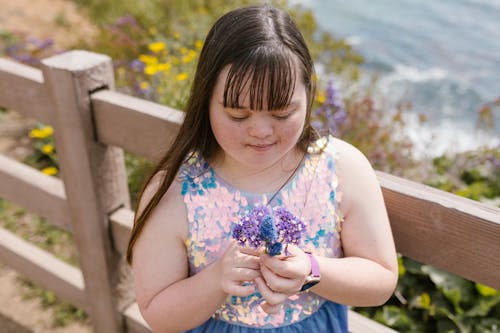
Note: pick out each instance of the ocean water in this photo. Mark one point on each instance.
(442, 56)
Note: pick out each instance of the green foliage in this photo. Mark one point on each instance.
(429, 300)
(138, 169)
(44, 155)
(474, 175)
(132, 29)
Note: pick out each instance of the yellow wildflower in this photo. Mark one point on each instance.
(47, 131)
(189, 57)
(485, 290)
(148, 59)
(321, 98)
(47, 149)
(177, 35)
(181, 76)
(50, 171)
(425, 300)
(164, 67)
(198, 44)
(153, 31)
(157, 47)
(183, 50)
(151, 69)
(41, 133)
(35, 133)
(144, 85)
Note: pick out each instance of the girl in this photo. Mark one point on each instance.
(247, 142)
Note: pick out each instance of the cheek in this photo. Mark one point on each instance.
(226, 133)
(293, 130)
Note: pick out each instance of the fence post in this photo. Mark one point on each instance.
(94, 176)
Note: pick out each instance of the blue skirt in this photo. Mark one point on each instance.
(330, 317)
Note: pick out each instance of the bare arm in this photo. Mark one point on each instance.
(367, 275)
(169, 300)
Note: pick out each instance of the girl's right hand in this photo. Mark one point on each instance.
(238, 267)
(273, 301)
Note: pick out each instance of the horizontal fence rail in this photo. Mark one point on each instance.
(431, 226)
(43, 268)
(39, 193)
(22, 89)
(121, 119)
(455, 234)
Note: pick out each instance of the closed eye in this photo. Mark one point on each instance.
(237, 118)
(282, 117)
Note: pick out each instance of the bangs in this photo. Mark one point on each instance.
(267, 75)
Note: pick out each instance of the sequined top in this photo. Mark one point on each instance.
(213, 206)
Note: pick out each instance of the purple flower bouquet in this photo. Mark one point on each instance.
(269, 228)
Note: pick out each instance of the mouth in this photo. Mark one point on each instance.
(261, 146)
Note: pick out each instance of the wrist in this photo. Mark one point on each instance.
(314, 276)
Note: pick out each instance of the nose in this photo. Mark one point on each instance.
(261, 125)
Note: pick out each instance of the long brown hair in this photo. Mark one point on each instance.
(260, 43)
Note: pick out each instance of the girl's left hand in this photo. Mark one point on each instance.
(285, 274)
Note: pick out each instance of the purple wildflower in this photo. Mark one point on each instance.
(261, 227)
(290, 228)
(40, 44)
(137, 65)
(332, 113)
(126, 20)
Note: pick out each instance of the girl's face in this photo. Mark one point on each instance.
(254, 140)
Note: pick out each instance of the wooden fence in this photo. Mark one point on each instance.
(93, 124)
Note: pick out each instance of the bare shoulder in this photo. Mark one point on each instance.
(356, 174)
(351, 159)
(169, 213)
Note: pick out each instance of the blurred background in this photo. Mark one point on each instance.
(414, 84)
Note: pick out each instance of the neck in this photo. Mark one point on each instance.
(264, 180)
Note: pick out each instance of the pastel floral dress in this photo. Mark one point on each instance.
(214, 206)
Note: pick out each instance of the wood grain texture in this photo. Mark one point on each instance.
(441, 229)
(41, 194)
(93, 175)
(141, 127)
(43, 268)
(23, 90)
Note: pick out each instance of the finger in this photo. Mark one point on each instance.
(278, 283)
(249, 250)
(243, 274)
(233, 288)
(278, 266)
(271, 309)
(270, 296)
(248, 261)
(291, 267)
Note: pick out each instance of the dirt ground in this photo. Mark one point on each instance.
(56, 19)
(59, 20)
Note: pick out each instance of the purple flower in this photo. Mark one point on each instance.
(290, 228)
(137, 65)
(272, 229)
(332, 113)
(126, 20)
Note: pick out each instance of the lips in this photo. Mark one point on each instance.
(261, 146)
